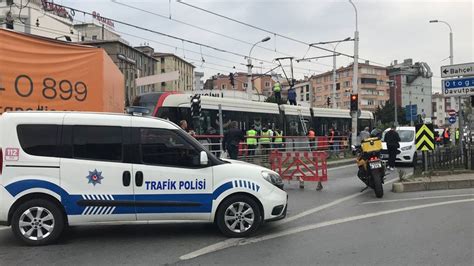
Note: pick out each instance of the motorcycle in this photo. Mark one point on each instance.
(371, 167)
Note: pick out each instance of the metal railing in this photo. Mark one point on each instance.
(445, 159)
(259, 153)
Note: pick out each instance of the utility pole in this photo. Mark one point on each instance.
(355, 76)
(393, 86)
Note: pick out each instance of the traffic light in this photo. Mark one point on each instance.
(354, 102)
(329, 101)
(231, 78)
(196, 106)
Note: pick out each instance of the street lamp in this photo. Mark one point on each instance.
(355, 76)
(451, 62)
(249, 65)
(451, 59)
(334, 104)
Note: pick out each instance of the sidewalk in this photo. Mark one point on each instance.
(340, 162)
(453, 181)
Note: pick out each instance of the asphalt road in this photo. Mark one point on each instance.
(338, 225)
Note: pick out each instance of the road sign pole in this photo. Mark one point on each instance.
(460, 112)
(425, 161)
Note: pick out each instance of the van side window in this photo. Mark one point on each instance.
(97, 143)
(168, 148)
(39, 140)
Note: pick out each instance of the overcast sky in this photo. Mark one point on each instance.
(389, 30)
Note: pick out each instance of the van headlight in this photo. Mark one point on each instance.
(273, 178)
(407, 148)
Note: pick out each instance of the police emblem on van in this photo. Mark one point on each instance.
(95, 177)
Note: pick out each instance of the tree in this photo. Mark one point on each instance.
(386, 115)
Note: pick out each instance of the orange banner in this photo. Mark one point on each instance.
(37, 73)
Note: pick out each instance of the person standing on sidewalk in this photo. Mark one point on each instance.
(251, 141)
(311, 138)
(393, 143)
(278, 140)
(232, 139)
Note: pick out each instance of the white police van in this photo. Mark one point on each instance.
(70, 168)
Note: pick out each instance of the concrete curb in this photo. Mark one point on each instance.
(449, 183)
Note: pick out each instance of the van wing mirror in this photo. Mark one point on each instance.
(204, 160)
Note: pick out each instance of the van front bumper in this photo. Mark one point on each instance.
(275, 205)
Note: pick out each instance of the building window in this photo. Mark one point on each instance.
(267, 84)
(223, 86)
(94, 37)
(162, 60)
(347, 83)
(307, 88)
(307, 96)
(368, 81)
(163, 83)
(245, 85)
(162, 70)
(370, 102)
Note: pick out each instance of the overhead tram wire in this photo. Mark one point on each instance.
(268, 31)
(50, 30)
(204, 29)
(171, 36)
(211, 56)
(166, 35)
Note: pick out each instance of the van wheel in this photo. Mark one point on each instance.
(38, 222)
(238, 216)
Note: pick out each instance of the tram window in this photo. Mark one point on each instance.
(169, 113)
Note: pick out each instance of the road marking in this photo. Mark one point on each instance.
(325, 206)
(241, 242)
(420, 198)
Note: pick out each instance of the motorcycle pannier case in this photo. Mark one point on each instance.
(371, 144)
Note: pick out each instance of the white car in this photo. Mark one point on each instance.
(70, 168)
(407, 151)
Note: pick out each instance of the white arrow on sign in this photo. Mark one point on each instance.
(466, 69)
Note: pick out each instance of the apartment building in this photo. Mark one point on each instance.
(373, 87)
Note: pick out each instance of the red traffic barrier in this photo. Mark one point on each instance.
(302, 166)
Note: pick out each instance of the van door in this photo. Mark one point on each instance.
(169, 181)
(93, 168)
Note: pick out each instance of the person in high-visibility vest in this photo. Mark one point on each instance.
(251, 141)
(446, 136)
(277, 92)
(278, 140)
(311, 138)
(265, 140)
(457, 135)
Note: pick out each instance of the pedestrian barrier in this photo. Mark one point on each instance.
(301, 166)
